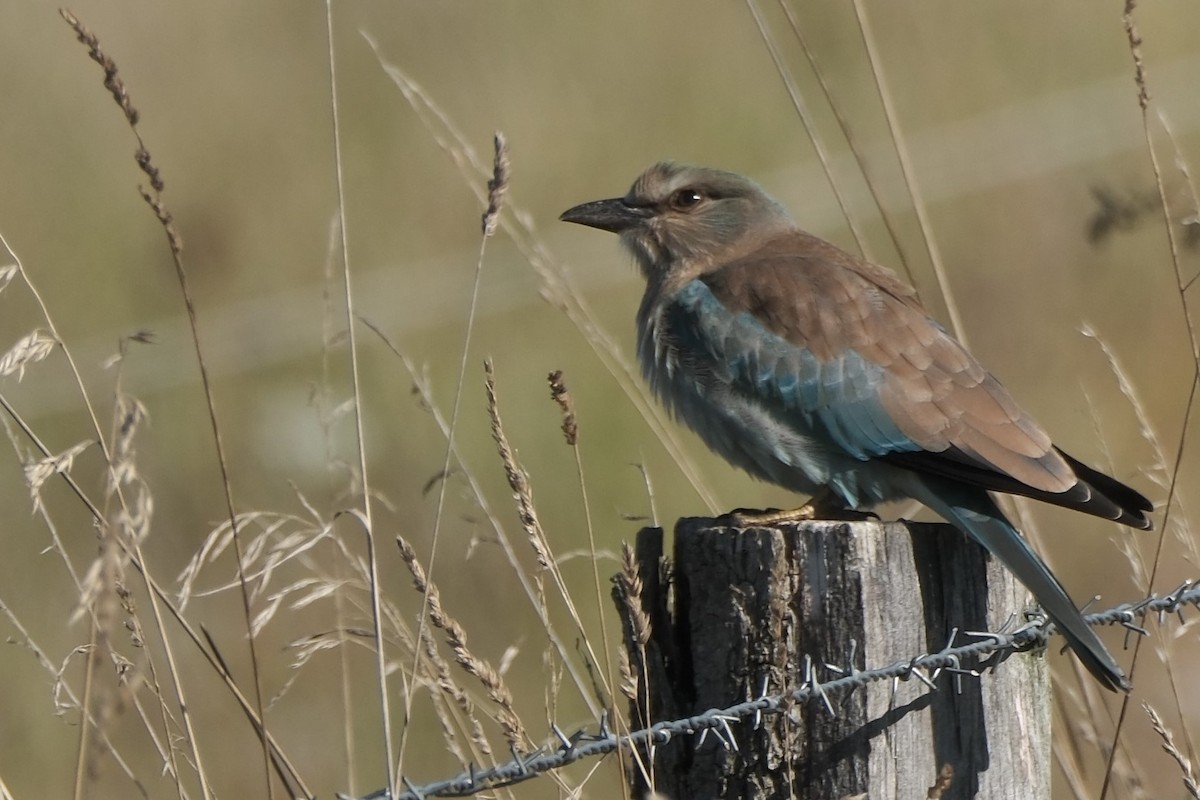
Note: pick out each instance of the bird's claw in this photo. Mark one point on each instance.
(757, 518)
(760, 517)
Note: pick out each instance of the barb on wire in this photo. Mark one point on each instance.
(926, 668)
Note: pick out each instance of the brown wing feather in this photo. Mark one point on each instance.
(822, 298)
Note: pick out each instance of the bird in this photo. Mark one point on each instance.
(819, 371)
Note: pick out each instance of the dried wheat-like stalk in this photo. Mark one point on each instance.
(456, 637)
(630, 682)
(560, 395)
(454, 690)
(518, 481)
(629, 587)
(627, 591)
(116, 87)
(570, 428)
(497, 184)
(1135, 50)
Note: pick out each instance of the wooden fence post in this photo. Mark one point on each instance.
(739, 609)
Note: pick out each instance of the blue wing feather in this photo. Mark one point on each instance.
(838, 397)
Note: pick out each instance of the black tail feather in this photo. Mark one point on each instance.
(1133, 504)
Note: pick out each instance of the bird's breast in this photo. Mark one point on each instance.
(698, 390)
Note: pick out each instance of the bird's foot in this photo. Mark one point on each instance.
(824, 505)
(760, 517)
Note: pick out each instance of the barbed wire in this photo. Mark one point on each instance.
(926, 667)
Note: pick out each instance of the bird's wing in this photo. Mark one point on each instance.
(847, 346)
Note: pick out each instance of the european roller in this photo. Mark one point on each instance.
(816, 370)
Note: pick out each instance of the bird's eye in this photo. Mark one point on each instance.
(686, 199)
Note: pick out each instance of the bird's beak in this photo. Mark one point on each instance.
(608, 215)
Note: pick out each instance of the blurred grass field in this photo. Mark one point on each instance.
(1025, 136)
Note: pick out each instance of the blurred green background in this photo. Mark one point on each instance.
(1024, 132)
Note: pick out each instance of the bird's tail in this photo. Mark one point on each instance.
(974, 512)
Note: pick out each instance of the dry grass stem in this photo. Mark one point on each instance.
(7, 273)
(848, 135)
(20, 421)
(366, 517)
(553, 670)
(1069, 764)
(904, 159)
(518, 481)
(367, 514)
(627, 592)
(132, 517)
(456, 638)
(455, 691)
(1135, 50)
(116, 87)
(29, 349)
(1159, 472)
(810, 125)
(100, 593)
(104, 598)
(1143, 95)
(280, 538)
(497, 185)
(161, 602)
(40, 471)
(570, 428)
(112, 80)
(63, 695)
(153, 198)
(650, 497)
(1191, 224)
(56, 542)
(630, 587)
(1160, 475)
(560, 395)
(1168, 745)
(630, 682)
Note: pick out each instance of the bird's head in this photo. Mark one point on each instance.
(681, 221)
